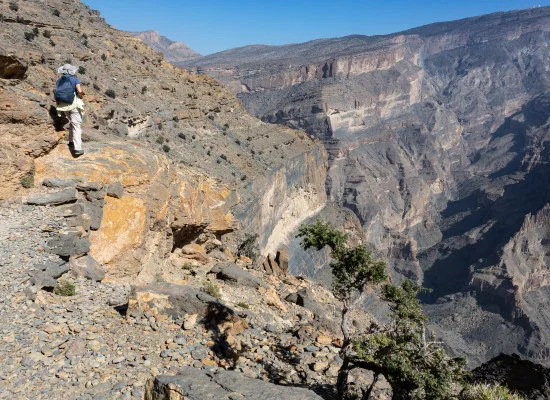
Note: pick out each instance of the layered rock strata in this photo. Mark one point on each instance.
(438, 142)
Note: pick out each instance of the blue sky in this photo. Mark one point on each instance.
(209, 26)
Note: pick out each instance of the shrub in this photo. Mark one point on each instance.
(144, 90)
(176, 119)
(489, 392)
(27, 181)
(52, 43)
(55, 12)
(243, 305)
(160, 140)
(29, 36)
(47, 34)
(35, 31)
(166, 148)
(14, 6)
(415, 367)
(104, 57)
(212, 289)
(65, 288)
(110, 93)
(82, 70)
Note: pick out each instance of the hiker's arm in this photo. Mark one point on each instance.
(79, 90)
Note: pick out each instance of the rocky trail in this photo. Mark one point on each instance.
(109, 340)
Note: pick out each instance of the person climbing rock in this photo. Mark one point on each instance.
(68, 96)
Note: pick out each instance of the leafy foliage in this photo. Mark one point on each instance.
(27, 180)
(14, 6)
(65, 288)
(47, 34)
(29, 36)
(110, 93)
(212, 289)
(416, 368)
(82, 70)
(352, 267)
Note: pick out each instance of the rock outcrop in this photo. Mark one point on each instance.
(438, 142)
(223, 385)
(187, 159)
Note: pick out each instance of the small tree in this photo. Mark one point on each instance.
(415, 367)
(353, 268)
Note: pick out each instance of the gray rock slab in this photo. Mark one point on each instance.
(194, 384)
(43, 199)
(69, 243)
(170, 299)
(59, 182)
(87, 267)
(233, 273)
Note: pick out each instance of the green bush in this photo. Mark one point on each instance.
(65, 288)
(110, 93)
(416, 367)
(489, 392)
(82, 70)
(14, 6)
(55, 12)
(104, 57)
(212, 289)
(29, 36)
(52, 43)
(243, 305)
(144, 90)
(35, 31)
(47, 34)
(166, 148)
(27, 180)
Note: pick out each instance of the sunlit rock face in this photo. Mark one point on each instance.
(438, 142)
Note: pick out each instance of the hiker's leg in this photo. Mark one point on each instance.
(76, 129)
(67, 114)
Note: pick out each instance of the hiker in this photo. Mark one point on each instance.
(68, 96)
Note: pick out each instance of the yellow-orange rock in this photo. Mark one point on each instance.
(122, 229)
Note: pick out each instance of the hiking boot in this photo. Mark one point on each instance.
(78, 153)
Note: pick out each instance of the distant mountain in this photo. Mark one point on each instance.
(175, 52)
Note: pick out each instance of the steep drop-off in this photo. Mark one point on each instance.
(438, 141)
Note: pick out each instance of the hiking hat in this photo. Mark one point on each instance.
(67, 69)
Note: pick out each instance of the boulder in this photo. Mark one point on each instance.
(43, 199)
(233, 273)
(87, 267)
(282, 260)
(69, 243)
(59, 182)
(194, 384)
(304, 298)
(365, 384)
(42, 280)
(169, 299)
(12, 68)
(115, 190)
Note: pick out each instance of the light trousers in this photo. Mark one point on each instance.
(75, 129)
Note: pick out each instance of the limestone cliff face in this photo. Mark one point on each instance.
(193, 164)
(438, 141)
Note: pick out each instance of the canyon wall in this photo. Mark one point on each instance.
(438, 142)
